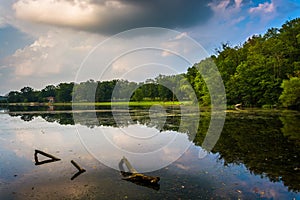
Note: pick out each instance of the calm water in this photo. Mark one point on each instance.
(256, 156)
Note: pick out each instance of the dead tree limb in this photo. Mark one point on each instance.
(36, 159)
(80, 170)
(138, 178)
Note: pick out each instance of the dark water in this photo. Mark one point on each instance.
(256, 156)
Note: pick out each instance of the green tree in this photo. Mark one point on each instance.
(15, 97)
(48, 91)
(29, 95)
(64, 92)
(290, 96)
(105, 90)
(85, 91)
(138, 95)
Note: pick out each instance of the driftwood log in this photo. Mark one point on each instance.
(51, 157)
(138, 178)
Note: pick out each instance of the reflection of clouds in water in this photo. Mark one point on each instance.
(22, 138)
(139, 138)
(18, 174)
(51, 139)
(181, 166)
(146, 148)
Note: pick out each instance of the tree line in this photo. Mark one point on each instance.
(162, 88)
(265, 70)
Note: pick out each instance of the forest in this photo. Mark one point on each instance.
(262, 72)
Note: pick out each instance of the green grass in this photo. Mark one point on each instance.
(131, 103)
(123, 103)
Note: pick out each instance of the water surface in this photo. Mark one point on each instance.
(256, 156)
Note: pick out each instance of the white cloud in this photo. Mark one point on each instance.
(2, 22)
(223, 26)
(219, 6)
(121, 66)
(85, 15)
(50, 59)
(56, 56)
(181, 45)
(234, 21)
(35, 59)
(223, 11)
(263, 8)
(64, 13)
(238, 3)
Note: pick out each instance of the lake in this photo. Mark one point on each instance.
(255, 157)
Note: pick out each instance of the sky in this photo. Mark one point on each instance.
(52, 41)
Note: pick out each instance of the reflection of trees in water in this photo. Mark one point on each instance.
(106, 117)
(173, 121)
(258, 143)
(291, 127)
(61, 118)
(27, 118)
(268, 145)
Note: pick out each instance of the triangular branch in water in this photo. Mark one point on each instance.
(36, 159)
(138, 178)
(80, 170)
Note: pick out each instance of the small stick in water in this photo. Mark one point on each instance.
(77, 166)
(80, 170)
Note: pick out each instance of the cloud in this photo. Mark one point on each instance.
(50, 59)
(64, 13)
(179, 44)
(2, 22)
(238, 3)
(57, 56)
(4, 10)
(113, 16)
(11, 39)
(228, 20)
(226, 10)
(235, 20)
(263, 8)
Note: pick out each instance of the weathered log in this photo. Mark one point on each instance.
(138, 178)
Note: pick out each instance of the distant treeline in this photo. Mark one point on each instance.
(162, 88)
(264, 71)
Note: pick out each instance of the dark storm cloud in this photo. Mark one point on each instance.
(162, 13)
(172, 13)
